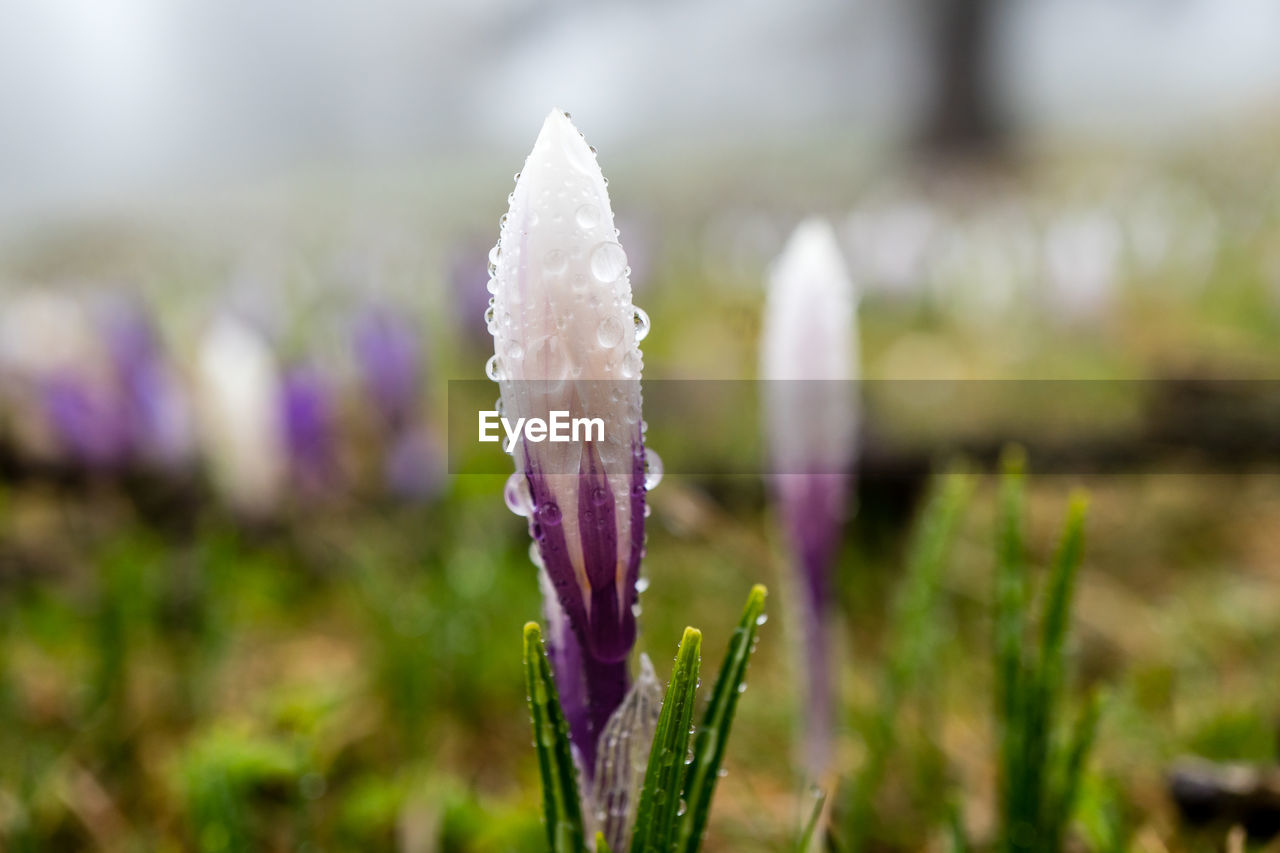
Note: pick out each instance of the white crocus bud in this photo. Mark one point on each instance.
(809, 354)
(238, 406)
(565, 340)
(809, 362)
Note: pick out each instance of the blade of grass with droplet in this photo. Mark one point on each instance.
(811, 825)
(713, 735)
(660, 797)
(562, 809)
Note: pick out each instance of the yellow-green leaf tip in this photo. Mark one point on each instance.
(532, 632)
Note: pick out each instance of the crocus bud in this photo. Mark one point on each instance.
(565, 339)
(155, 406)
(809, 351)
(388, 359)
(238, 396)
(310, 431)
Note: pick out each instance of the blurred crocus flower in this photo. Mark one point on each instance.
(388, 358)
(63, 401)
(565, 339)
(153, 403)
(809, 362)
(308, 420)
(238, 394)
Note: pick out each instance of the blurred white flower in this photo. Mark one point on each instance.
(238, 403)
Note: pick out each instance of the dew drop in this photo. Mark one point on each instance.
(608, 260)
(535, 555)
(493, 368)
(517, 496)
(549, 513)
(514, 350)
(588, 217)
(631, 365)
(609, 332)
(652, 468)
(762, 618)
(555, 262)
(642, 324)
(488, 315)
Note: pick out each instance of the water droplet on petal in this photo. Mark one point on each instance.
(608, 260)
(493, 368)
(652, 468)
(642, 324)
(642, 584)
(535, 555)
(588, 217)
(516, 494)
(609, 333)
(631, 365)
(514, 350)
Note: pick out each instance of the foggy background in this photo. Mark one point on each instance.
(110, 100)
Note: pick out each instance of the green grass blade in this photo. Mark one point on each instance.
(1076, 755)
(713, 735)
(602, 846)
(955, 829)
(660, 797)
(1057, 605)
(811, 825)
(913, 645)
(562, 807)
(1046, 683)
(1010, 633)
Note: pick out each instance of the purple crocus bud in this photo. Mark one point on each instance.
(388, 358)
(307, 418)
(808, 359)
(565, 339)
(86, 419)
(157, 411)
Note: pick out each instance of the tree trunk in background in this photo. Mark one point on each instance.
(963, 118)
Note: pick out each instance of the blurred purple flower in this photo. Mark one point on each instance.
(307, 418)
(86, 421)
(388, 358)
(155, 409)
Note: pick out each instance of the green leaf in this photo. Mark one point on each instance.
(1010, 634)
(1076, 755)
(660, 798)
(602, 846)
(713, 735)
(811, 825)
(562, 808)
(1046, 686)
